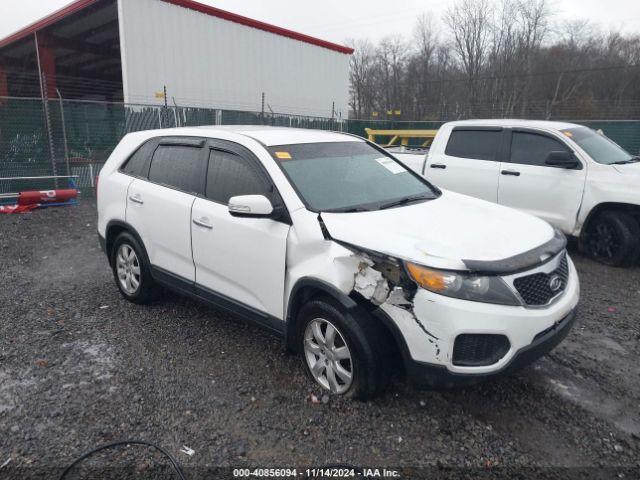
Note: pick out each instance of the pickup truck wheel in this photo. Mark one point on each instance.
(130, 270)
(338, 353)
(613, 238)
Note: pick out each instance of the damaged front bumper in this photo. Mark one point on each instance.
(439, 376)
(443, 339)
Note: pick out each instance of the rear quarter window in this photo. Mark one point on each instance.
(138, 164)
(474, 144)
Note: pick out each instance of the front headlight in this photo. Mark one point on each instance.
(461, 285)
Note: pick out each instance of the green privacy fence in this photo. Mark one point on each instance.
(76, 137)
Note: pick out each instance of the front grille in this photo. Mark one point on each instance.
(475, 350)
(540, 288)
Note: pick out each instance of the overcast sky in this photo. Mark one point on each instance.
(336, 20)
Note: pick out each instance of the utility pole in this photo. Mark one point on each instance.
(262, 115)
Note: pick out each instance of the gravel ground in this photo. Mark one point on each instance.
(80, 367)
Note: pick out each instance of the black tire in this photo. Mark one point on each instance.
(363, 336)
(147, 290)
(612, 238)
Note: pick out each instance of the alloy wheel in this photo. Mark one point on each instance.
(328, 356)
(604, 241)
(128, 268)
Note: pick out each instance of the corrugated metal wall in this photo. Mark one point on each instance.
(205, 60)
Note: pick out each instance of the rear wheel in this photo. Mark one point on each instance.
(613, 238)
(342, 353)
(131, 271)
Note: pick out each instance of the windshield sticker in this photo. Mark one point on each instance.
(390, 165)
(568, 133)
(283, 155)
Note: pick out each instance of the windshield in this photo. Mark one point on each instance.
(349, 176)
(600, 148)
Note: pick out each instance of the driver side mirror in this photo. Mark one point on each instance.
(562, 159)
(250, 206)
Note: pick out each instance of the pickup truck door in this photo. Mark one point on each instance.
(470, 163)
(239, 261)
(527, 183)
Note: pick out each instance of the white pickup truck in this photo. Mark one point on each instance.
(573, 177)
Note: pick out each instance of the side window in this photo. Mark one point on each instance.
(476, 144)
(533, 149)
(138, 161)
(231, 175)
(178, 167)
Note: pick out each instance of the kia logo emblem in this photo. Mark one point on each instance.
(555, 283)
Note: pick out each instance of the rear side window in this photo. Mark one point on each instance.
(137, 163)
(231, 175)
(533, 149)
(178, 167)
(476, 144)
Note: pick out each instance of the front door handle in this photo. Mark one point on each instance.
(136, 199)
(511, 172)
(203, 222)
(438, 165)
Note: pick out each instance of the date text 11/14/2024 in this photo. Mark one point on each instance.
(321, 472)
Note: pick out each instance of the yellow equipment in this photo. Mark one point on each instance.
(403, 135)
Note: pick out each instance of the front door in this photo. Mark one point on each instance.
(527, 183)
(240, 258)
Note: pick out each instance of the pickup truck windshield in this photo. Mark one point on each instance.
(600, 148)
(349, 177)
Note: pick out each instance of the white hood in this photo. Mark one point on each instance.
(629, 169)
(441, 233)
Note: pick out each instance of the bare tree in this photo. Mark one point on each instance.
(470, 23)
(361, 77)
(499, 58)
(533, 16)
(390, 68)
(426, 40)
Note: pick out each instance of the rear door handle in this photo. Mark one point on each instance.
(136, 199)
(203, 222)
(438, 165)
(511, 172)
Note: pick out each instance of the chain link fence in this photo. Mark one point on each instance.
(75, 138)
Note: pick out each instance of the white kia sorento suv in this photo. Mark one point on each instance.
(331, 243)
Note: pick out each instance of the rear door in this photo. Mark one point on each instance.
(470, 163)
(159, 205)
(239, 259)
(527, 183)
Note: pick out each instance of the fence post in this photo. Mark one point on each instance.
(47, 121)
(175, 116)
(64, 133)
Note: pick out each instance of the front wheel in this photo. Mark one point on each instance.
(341, 353)
(612, 238)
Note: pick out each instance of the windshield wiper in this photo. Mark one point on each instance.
(403, 201)
(624, 162)
(347, 210)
